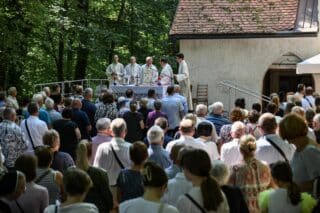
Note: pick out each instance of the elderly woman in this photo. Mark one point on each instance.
(54, 115)
(306, 159)
(251, 176)
(225, 132)
(220, 172)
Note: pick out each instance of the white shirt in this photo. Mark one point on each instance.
(211, 148)
(308, 102)
(76, 207)
(186, 140)
(311, 134)
(186, 206)
(140, 205)
(37, 128)
(12, 102)
(230, 153)
(267, 153)
(105, 158)
(177, 186)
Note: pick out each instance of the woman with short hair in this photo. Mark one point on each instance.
(77, 184)
(36, 197)
(306, 159)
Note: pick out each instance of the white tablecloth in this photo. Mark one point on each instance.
(139, 91)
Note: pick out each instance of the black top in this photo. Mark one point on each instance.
(134, 131)
(68, 138)
(4, 207)
(99, 194)
(235, 198)
(82, 120)
(89, 108)
(317, 133)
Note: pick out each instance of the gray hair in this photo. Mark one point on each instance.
(11, 90)
(8, 112)
(216, 108)
(103, 124)
(118, 126)
(201, 110)
(37, 98)
(155, 134)
(220, 172)
(49, 103)
(316, 118)
(88, 91)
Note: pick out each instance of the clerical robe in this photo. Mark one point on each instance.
(184, 82)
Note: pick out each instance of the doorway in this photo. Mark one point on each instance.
(284, 80)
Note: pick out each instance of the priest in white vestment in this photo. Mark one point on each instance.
(149, 72)
(166, 74)
(183, 79)
(133, 72)
(115, 71)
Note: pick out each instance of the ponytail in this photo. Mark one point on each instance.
(211, 193)
(294, 193)
(82, 161)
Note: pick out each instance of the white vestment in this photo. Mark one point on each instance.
(149, 74)
(133, 73)
(115, 68)
(166, 75)
(184, 82)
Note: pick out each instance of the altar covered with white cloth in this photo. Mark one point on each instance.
(139, 91)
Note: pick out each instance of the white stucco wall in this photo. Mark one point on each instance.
(244, 61)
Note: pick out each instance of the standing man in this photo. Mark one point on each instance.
(11, 100)
(149, 72)
(12, 140)
(183, 79)
(115, 70)
(90, 108)
(166, 74)
(132, 72)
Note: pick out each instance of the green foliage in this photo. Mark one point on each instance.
(42, 41)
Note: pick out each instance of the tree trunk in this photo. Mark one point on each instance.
(83, 51)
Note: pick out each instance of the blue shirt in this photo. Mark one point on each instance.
(130, 183)
(173, 170)
(43, 115)
(183, 101)
(173, 107)
(159, 155)
(89, 108)
(218, 121)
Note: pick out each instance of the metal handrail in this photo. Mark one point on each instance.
(245, 91)
(69, 82)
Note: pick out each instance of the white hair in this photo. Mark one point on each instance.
(316, 118)
(88, 91)
(11, 90)
(155, 134)
(220, 172)
(148, 58)
(118, 126)
(237, 126)
(201, 110)
(103, 124)
(216, 107)
(49, 103)
(38, 98)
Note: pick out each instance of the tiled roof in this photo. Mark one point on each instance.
(222, 17)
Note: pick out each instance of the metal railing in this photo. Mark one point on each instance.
(230, 85)
(66, 86)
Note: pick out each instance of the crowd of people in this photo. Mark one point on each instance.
(118, 154)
